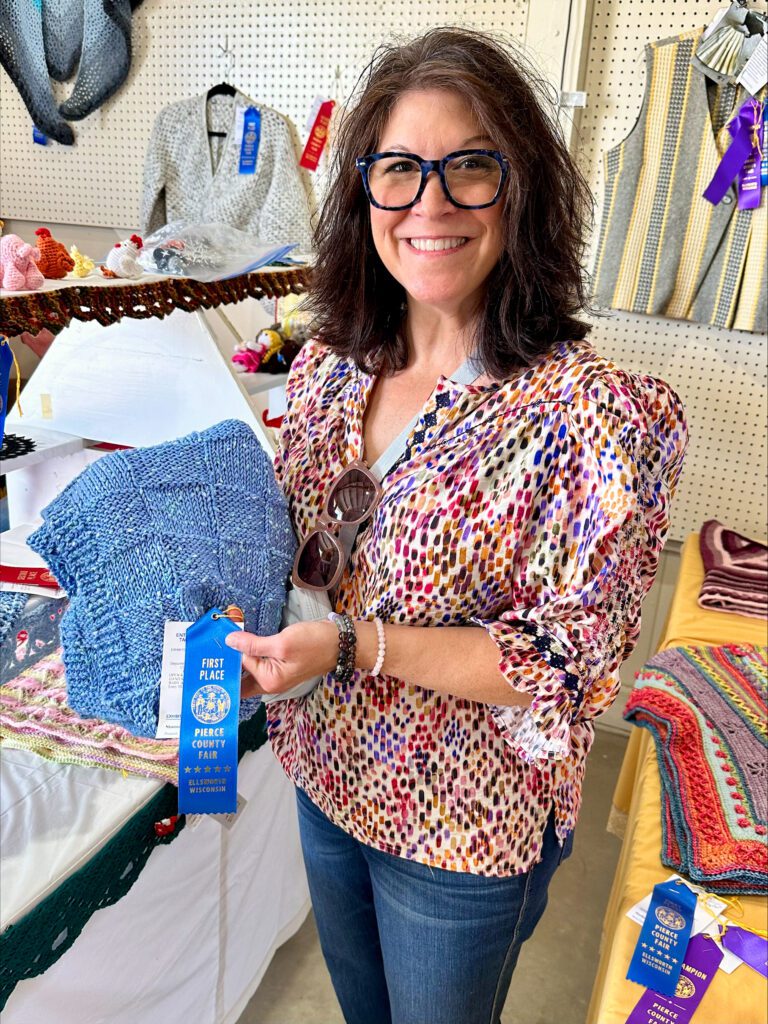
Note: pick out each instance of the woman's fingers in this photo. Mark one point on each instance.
(250, 645)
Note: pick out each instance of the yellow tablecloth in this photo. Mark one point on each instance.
(739, 998)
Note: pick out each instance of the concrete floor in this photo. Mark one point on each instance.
(553, 980)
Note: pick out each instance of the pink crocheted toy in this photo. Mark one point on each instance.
(18, 265)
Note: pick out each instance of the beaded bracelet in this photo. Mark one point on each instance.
(382, 646)
(345, 665)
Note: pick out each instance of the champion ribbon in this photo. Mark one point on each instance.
(742, 159)
(764, 161)
(747, 946)
(210, 705)
(699, 968)
(658, 957)
(249, 147)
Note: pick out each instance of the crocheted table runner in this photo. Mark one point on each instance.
(36, 941)
(34, 716)
(32, 311)
(706, 708)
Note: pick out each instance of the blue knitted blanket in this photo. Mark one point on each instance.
(156, 534)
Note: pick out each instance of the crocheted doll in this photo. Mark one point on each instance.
(83, 264)
(55, 262)
(122, 260)
(18, 265)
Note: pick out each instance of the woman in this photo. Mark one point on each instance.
(439, 769)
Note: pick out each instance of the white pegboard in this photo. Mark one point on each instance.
(285, 54)
(288, 52)
(719, 374)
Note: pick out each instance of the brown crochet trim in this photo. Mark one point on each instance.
(54, 309)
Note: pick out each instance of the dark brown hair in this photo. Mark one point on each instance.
(536, 288)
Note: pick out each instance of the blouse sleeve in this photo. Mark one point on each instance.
(297, 392)
(593, 513)
(153, 215)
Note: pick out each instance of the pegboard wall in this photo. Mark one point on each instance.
(286, 53)
(720, 375)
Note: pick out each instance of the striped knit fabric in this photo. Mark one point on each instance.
(663, 249)
(706, 708)
(735, 572)
(34, 716)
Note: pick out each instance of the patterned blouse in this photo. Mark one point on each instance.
(535, 508)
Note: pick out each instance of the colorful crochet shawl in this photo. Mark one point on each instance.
(706, 708)
(34, 716)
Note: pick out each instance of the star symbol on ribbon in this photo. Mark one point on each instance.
(207, 769)
(217, 769)
(187, 770)
(197, 770)
(227, 768)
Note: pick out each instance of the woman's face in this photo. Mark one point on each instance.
(432, 123)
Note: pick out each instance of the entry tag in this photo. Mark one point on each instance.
(318, 136)
(249, 140)
(747, 946)
(209, 718)
(171, 680)
(658, 957)
(699, 968)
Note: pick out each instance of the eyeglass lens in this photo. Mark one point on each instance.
(352, 498)
(319, 560)
(472, 180)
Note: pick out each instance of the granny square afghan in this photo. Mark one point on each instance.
(156, 534)
(706, 708)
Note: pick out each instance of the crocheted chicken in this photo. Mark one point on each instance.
(55, 261)
(122, 258)
(83, 264)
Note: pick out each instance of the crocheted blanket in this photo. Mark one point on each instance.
(34, 716)
(706, 708)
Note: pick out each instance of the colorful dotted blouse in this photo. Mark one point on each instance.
(535, 508)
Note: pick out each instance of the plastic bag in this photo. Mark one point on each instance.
(207, 252)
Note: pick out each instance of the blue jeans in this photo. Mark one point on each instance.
(409, 944)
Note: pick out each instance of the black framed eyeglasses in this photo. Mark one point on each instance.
(471, 178)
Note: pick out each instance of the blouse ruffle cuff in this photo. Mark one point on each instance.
(535, 662)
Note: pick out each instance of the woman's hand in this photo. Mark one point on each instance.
(280, 662)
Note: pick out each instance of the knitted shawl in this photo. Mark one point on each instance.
(156, 534)
(706, 708)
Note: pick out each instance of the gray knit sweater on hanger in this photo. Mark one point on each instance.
(191, 176)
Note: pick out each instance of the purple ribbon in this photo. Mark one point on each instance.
(749, 947)
(702, 959)
(741, 159)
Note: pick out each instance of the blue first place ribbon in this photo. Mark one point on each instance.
(249, 147)
(660, 950)
(209, 718)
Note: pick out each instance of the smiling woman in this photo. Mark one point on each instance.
(485, 497)
(517, 205)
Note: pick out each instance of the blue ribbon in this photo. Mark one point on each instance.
(660, 950)
(740, 150)
(210, 705)
(6, 362)
(249, 147)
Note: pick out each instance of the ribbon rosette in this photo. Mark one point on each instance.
(741, 159)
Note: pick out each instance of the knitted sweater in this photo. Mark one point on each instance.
(155, 534)
(188, 176)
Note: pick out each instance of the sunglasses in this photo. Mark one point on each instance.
(321, 558)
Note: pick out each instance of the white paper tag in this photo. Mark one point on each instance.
(239, 127)
(172, 680)
(707, 909)
(226, 821)
(754, 74)
(316, 103)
